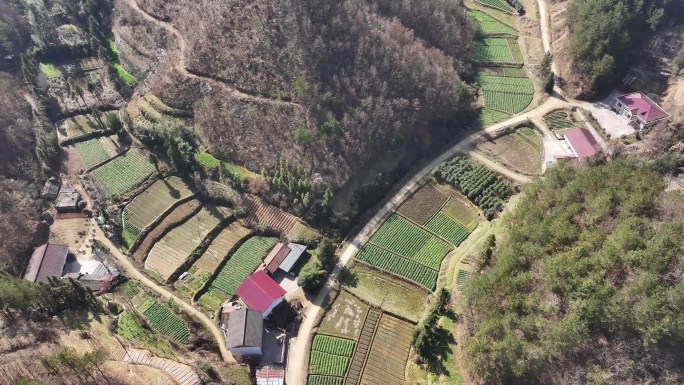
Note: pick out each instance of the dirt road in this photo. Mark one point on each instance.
(181, 66)
(132, 273)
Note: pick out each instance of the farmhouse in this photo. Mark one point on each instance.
(243, 329)
(581, 142)
(67, 199)
(47, 260)
(94, 282)
(261, 292)
(639, 109)
(269, 375)
(50, 189)
(283, 257)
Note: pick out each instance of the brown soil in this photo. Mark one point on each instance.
(512, 153)
(177, 216)
(71, 232)
(71, 161)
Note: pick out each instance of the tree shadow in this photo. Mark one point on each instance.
(441, 348)
(348, 278)
(174, 192)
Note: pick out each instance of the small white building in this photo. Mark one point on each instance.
(243, 331)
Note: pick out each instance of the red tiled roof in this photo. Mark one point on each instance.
(259, 291)
(46, 260)
(582, 142)
(642, 106)
(276, 257)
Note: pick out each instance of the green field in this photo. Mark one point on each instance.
(163, 320)
(114, 58)
(345, 317)
(489, 25)
(123, 173)
(506, 94)
(461, 214)
(497, 50)
(399, 265)
(91, 152)
(497, 4)
(489, 116)
(316, 379)
(50, 70)
(330, 355)
(241, 264)
(146, 207)
(403, 238)
(442, 225)
(208, 161)
(83, 124)
(559, 121)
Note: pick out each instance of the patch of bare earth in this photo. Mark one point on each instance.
(71, 232)
(71, 161)
(513, 154)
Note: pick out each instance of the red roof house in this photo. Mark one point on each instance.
(261, 292)
(640, 109)
(581, 142)
(275, 258)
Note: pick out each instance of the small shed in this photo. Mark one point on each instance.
(50, 189)
(283, 256)
(244, 332)
(269, 375)
(260, 292)
(67, 199)
(46, 260)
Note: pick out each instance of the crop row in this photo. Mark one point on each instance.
(559, 120)
(482, 186)
(242, 263)
(498, 4)
(330, 364)
(398, 265)
(490, 116)
(123, 173)
(91, 152)
(515, 50)
(220, 246)
(486, 50)
(489, 25)
(316, 379)
(448, 228)
(403, 238)
(507, 84)
(461, 279)
(333, 345)
(389, 352)
(510, 103)
(167, 323)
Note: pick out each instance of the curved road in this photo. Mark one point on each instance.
(131, 272)
(182, 67)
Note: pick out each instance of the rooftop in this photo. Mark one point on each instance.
(46, 260)
(642, 106)
(259, 291)
(244, 328)
(296, 251)
(582, 142)
(276, 257)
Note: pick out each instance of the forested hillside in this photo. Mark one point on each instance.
(586, 286)
(329, 84)
(606, 37)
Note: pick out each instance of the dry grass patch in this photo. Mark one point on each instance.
(423, 204)
(177, 216)
(345, 318)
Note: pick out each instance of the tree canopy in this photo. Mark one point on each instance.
(587, 276)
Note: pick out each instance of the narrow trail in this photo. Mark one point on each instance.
(132, 273)
(181, 65)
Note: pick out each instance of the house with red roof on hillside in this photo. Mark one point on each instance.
(260, 292)
(640, 109)
(581, 142)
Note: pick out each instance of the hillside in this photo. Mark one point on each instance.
(324, 86)
(595, 42)
(586, 285)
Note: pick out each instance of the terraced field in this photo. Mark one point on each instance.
(506, 94)
(489, 116)
(448, 228)
(520, 151)
(498, 50)
(403, 238)
(176, 217)
(92, 152)
(489, 25)
(364, 344)
(560, 121)
(497, 4)
(388, 355)
(345, 317)
(423, 204)
(399, 265)
(220, 247)
(330, 355)
(78, 125)
(241, 264)
(123, 173)
(163, 320)
(147, 206)
(461, 213)
(260, 214)
(175, 247)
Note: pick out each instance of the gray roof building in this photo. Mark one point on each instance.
(47, 260)
(244, 329)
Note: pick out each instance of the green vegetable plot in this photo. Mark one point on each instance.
(498, 50)
(403, 238)
(333, 345)
(242, 263)
(489, 25)
(448, 228)
(123, 173)
(506, 94)
(330, 355)
(396, 264)
(497, 4)
(165, 321)
(91, 152)
(316, 379)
